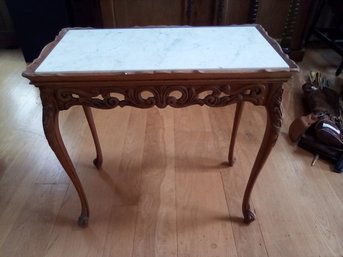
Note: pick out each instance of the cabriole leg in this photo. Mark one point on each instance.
(274, 119)
(53, 135)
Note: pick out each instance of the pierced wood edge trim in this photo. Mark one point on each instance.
(161, 96)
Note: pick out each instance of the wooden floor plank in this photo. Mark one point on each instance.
(120, 231)
(34, 221)
(305, 220)
(156, 220)
(18, 190)
(248, 239)
(202, 214)
(125, 186)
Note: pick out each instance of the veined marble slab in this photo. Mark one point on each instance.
(163, 49)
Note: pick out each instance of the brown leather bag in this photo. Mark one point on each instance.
(300, 125)
(323, 104)
(320, 132)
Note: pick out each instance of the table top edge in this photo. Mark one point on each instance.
(32, 75)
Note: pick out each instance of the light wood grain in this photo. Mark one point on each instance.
(156, 220)
(165, 188)
(202, 215)
(249, 239)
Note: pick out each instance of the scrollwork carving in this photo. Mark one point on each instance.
(161, 96)
(274, 109)
(49, 113)
(275, 106)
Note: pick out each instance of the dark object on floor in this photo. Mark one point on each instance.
(339, 165)
(300, 125)
(333, 154)
(320, 132)
(328, 132)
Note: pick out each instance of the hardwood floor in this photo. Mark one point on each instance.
(165, 188)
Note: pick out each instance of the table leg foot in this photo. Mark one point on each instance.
(97, 163)
(232, 161)
(249, 216)
(83, 220)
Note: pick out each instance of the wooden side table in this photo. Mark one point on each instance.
(182, 66)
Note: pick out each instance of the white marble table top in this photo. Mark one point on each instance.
(215, 49)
